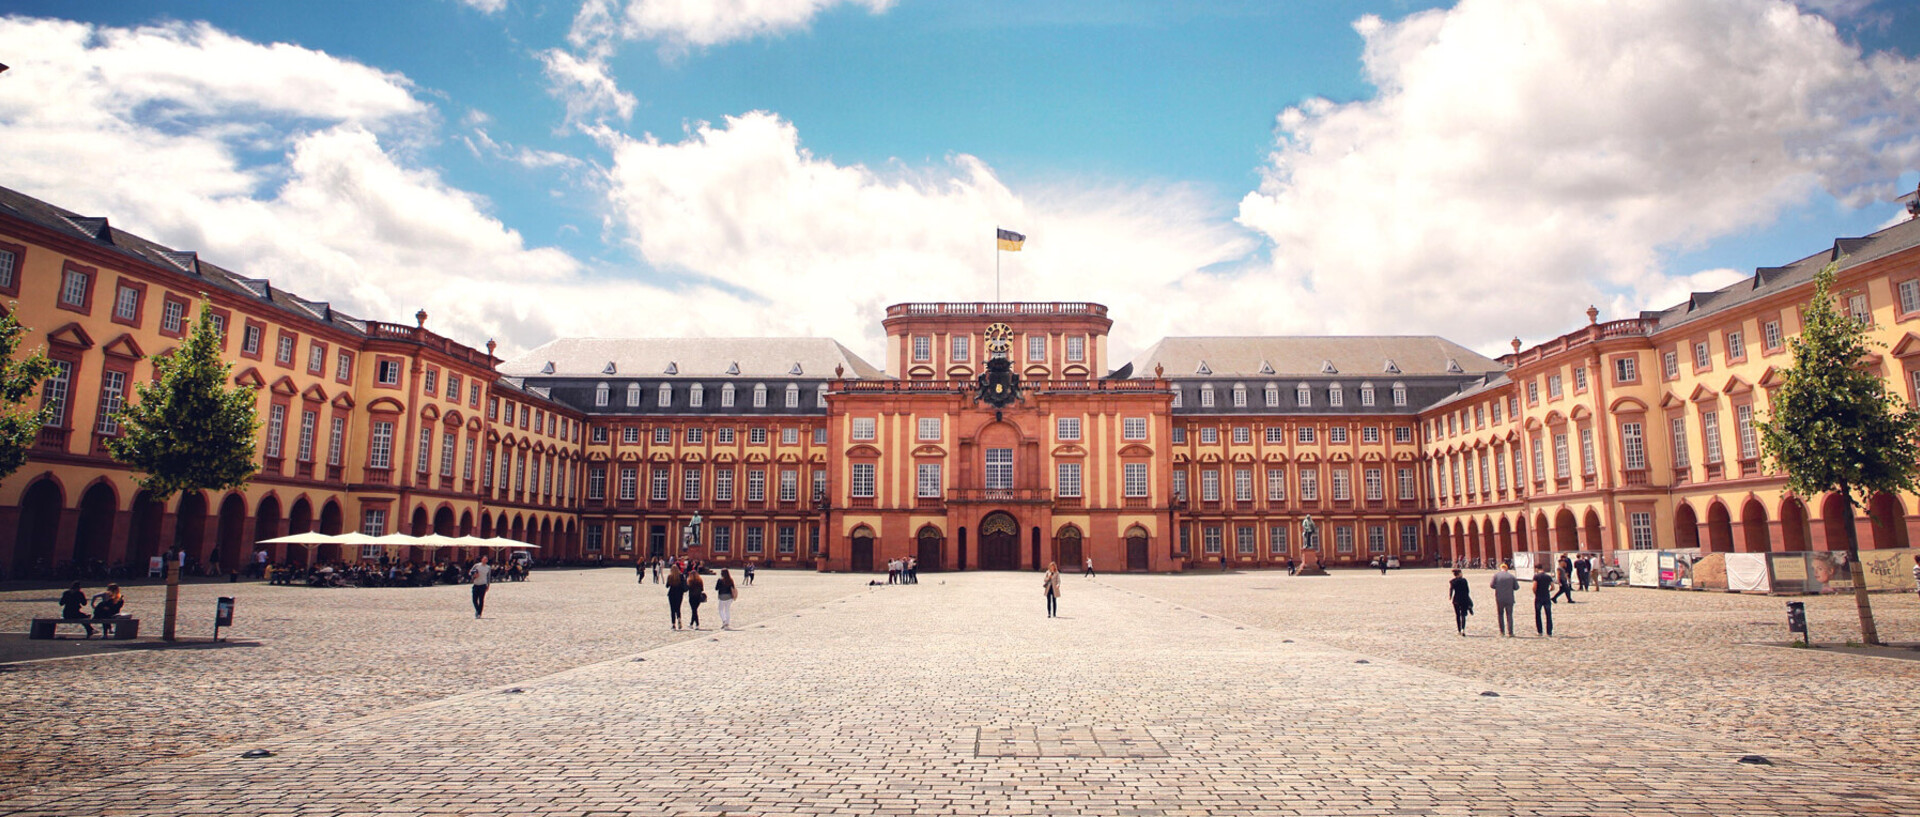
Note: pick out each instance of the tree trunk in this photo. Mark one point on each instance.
(1868, 632)
(172, 571)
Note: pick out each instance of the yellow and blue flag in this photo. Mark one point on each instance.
(1010, 240)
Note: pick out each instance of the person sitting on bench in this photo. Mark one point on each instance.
(70, 604)
(108, 604)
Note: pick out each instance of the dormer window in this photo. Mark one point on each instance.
(1326, 367)
(1273, 395)
(672, 368)
(547, 369)
(1176, 397)
(726, 395)
(1366, 394)
(609, 369)
(1266, 368)
(1399, 394)
(1206, 395)
(1203, 368)
(759, 395)
(1239, 395)
(820, 395)
(601, 393)
(795, 371)
(1391, 367)
(733, 369)
(793, 394)
(696, 396)
(633, 395)
(1303, 395)
(666, 395)
(1453, 367)
(1336, 397)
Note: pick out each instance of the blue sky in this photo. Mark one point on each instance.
(639, 167)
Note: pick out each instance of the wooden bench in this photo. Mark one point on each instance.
(116, 628)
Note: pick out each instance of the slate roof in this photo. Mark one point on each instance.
(1365, 356)
(98, 231)
(1767, 281)
(690, 358)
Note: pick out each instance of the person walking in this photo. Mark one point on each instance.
(70, 604)
(1583, 568)
(1542, 601)
(1383, 565)
(1505, 584)
(1564, 580)
(1089, 571)
(725, 591)
(1052, 585)
(676, 589)
(1462, 601)
(482, 576)
(749, 571)
(696, 593)
(1916, 574)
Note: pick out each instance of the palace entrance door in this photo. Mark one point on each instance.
(999, 542)
(1136, 549)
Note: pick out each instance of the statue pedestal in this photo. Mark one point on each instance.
(1310, 564)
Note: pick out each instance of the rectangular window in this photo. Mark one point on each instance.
(1562, 464)
(1277, 539)
(1243, 540)
(629, 483)
(1539, 460)
(453, 384)
(1633, 447)
(756, 436)
(1209, 436)
(1076, 348)
(73, 290)
(1276, 484)
(1210, 538)
(927, 480)
(722, 539)
(1533, 392)
(723, 485)
(789, 485)
(630, 435)
(380, 449)
(1342, 484)
(1587, 460)
(1275, 435)
(1068, 479)
(1036, 347)
(1180, 484)
(784, 538)
(1403, 434)
(336, 440)
(1909, 296)
(1309, 485)
(1554, 389)
(819, 483)
(1242, 435)
(1710, 434)
(283, 352)
(387, 372)
(423, 456)
(1736, 346)
(1134, 479)
(756, 539)
(9, 261)
(659, 484)
(1210, 485)
(1857, 309)
(1399, 395)
(820, 436)
(276, 430)
(1702, 356)
(959, 348)
(757, 484)
(1640, 528)
(1579, 379)
(1406, 483)
(661, 436)
(863, 428)
(1337, 435)
(597, 482)
(1680, 457)
(1749, 438)
(308, 421)
(790, 436)
(373, 522)
(1377, 539)
(1067, 428)
(1343, 539)
(448, 444)
(696, 436)
(1409, 539)
(1375, 484)
(172, 315)
(863, 480)
(1243, 484)
(999, 469)
(1179, 435)
(690, 484)
(1133, 428)
(1303, 395)
(1771, 332)
(1304, 435)
(113, 392)
(1624, 370)
(126, 302)
(1206, 397)
(1336, 396)
(929, 428)
(922, 348)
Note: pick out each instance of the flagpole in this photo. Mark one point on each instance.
(996, 264)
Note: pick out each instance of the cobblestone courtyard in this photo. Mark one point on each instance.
(1223, 694)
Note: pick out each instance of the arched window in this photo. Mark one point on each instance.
(1176, 396)
(1273, 395)
(793, 395)
(1366, 394)
(601, 393)
(666, 395)
(820, 395)
(759, 395)
(1303, 395)
(1239, 395)
(1206, 395)
(726, 395)
(696, 395)
(1399, 394)
(1335, 397)
(633, 394)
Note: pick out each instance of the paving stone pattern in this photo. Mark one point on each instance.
(958, 696)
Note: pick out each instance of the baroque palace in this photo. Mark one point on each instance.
(997, 435)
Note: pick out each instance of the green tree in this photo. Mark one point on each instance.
(188, 431)
(19, 427)
(1836, 427)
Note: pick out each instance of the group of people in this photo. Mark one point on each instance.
(105, 605)
(684, 584)
(385, 573)
(904, 570)
(1547, 589)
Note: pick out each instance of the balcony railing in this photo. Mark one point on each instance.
(52, 438)
(1135, 503)
(1636, 478)
(996, 308)
(1014, 495)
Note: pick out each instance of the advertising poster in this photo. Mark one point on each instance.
(1789, 572)
(1888, 569)
(1710, 572)
(1747, 573)
(1643, 568)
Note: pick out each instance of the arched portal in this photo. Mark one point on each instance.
(1540, 532)
(1566, 538)
(266, 525)
(1686, 527)
(331, 520)
(1889, 522)
(190, 524)
(1067, 548)
(38, 530)
(232, 539)
(1719, 529)
(1754, 537)
(143, 541)
(1136, 548)
(862, 550)
(93, 531)
(927, 548)
(1590, 533)
(1794, 534)
(466, 524)
(999, 542)
(1836, 515)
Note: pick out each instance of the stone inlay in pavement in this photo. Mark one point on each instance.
(886, 704)
(1065, 741)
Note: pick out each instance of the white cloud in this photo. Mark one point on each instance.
(701, 23)
(1525, 158)
(822, 248)
(487, 6)
(149, 127)
(585, 85)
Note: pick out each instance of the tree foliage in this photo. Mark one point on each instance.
(1836, 427)
(189, 430)
(19, 426)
